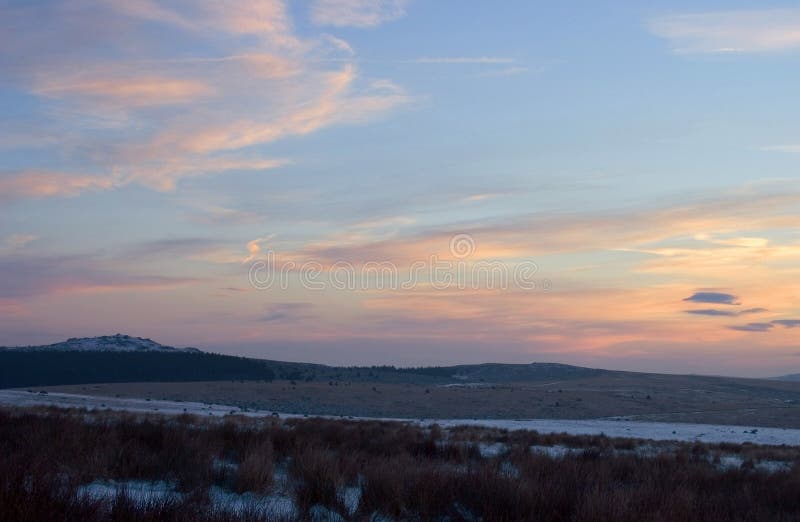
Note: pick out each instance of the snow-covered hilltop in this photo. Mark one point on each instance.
(105, 343)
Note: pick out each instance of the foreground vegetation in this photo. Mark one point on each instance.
(318, 469)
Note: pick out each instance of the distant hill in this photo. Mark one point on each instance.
(486, 373)
(124, 358)
(20, 368)
(795, 377)
(104, 343)
(495, 372)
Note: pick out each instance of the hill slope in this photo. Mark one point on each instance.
(104, 343)
(47, 368)
(124, 358)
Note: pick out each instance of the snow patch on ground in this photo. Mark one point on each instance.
(557, 451)
(773, 466)
(139, 491)
(467, 385)
(323, 514)
(224, 466)
(492, 450)
(142, 492)
(709, 433)
(730, 462)
(277, 504)
(351, 498)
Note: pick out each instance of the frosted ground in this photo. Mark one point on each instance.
(611, 427)
(280, 502)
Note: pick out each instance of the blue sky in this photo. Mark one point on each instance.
(637, 154)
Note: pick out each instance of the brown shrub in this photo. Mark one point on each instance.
(405, 471)
(256, 470)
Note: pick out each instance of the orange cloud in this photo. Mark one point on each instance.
(130, 92)
(638, 231)
(332, 103)
(12, 308)
(165, 176)
(628, 295)
(132, 128)
(39, 184)
(745, 31)
(268, 19)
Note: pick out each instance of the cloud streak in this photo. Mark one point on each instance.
(131, 124)
(753, 327)
(788, 323)
(494, 60)
(754, 31)
(792, 148)
(128, 92)
(286, 312)
(357, 13)
(713, 312)
(43, 275)
(42, 184)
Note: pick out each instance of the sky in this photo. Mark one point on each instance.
(604, 183)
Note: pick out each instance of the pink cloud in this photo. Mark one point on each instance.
(131, 127)
(40, 184)
(132, 92)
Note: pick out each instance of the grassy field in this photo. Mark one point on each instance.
(651, 397)
(76, 465)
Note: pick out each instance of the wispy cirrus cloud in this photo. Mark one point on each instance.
(790, 148)
(128, 92)
(182, 248)
(465, 60)
(41, 184)
(217, 215)
(127, 120)
(634, 230)
(575, 311)
(497, 65)
(16, 241)
(356, 13)
(43, 275)
(267, 20)
(508, 71)
(329, 104)
(746, 31)
(166, 176)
